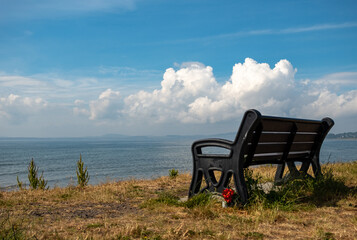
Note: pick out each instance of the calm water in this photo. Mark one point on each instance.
(115, 159)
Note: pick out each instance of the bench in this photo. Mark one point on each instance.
(260, 140)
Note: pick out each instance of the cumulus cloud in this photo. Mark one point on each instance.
(107, 106)
(327, 103)
(16, 109)
(178, 89)
(252, 85)
(191, 94)
(188, 98)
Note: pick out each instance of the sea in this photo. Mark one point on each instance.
(116, 159)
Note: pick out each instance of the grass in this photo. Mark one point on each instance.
(324, 208)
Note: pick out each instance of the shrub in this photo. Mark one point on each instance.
(324, 189)
(10, 229)
(201, 199)
(19, 183)
(173, 173)
(82, 174)
(35, 181)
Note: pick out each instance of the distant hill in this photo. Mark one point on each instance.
(346, 135)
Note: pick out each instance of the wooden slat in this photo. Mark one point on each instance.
(297, 147)
(276, 126)
(280, 147)
(311, 127)
(284, 124)
(297, 155)
(270, 148)
(305, 137)
(265, 161)
(273, 137)
(262, 157)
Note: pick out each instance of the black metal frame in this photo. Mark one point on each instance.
(259, 140)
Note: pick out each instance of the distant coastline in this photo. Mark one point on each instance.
(346, 135)
(230, 135)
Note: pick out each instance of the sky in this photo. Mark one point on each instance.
(76, 68)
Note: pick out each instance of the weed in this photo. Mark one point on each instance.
(11, 230)
(328, 188)
(120, 237)
(19, 183)
(204, 212)
(167, 198)
(254, 235)
(35, 181)
(65, 196)
(95, 225)
(163, 198)
(296, 193)
(82, 174)
(207, 232)
(322, 235)
(173, 173)
(201, 199)
(141, 232)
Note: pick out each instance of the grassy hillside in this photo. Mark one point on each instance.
(151, 209)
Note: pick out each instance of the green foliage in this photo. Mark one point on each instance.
(163, 198)
(143, 233)
(173, 173)
(35, 182)
(252, 183)
(10, 230)
(292, 195)
(167, 198)
(328, 188)
(254, 235)
(82, 174)
(19, 183)
(95, 225)
(201, 199)
(322, 235)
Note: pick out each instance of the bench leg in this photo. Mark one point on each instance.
(240, 185)
(196, 183)
(279, 173)
(316, 167)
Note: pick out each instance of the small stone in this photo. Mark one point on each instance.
(183, 199)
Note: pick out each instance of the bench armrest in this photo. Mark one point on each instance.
(210, 142)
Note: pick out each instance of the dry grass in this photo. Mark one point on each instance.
(148, 209)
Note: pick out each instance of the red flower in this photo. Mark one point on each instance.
(228, 195)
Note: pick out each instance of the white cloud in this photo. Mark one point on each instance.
(192, 95)
(19, 81)
(188, 99)
(178, 90)
(259, 32)
(326, 103)
(338, 81)
(107, 106)
(17, 109)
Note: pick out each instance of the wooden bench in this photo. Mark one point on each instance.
(259, 140)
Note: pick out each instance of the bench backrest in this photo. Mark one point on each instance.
(267, 139)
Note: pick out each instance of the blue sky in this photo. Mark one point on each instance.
(154, 67)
